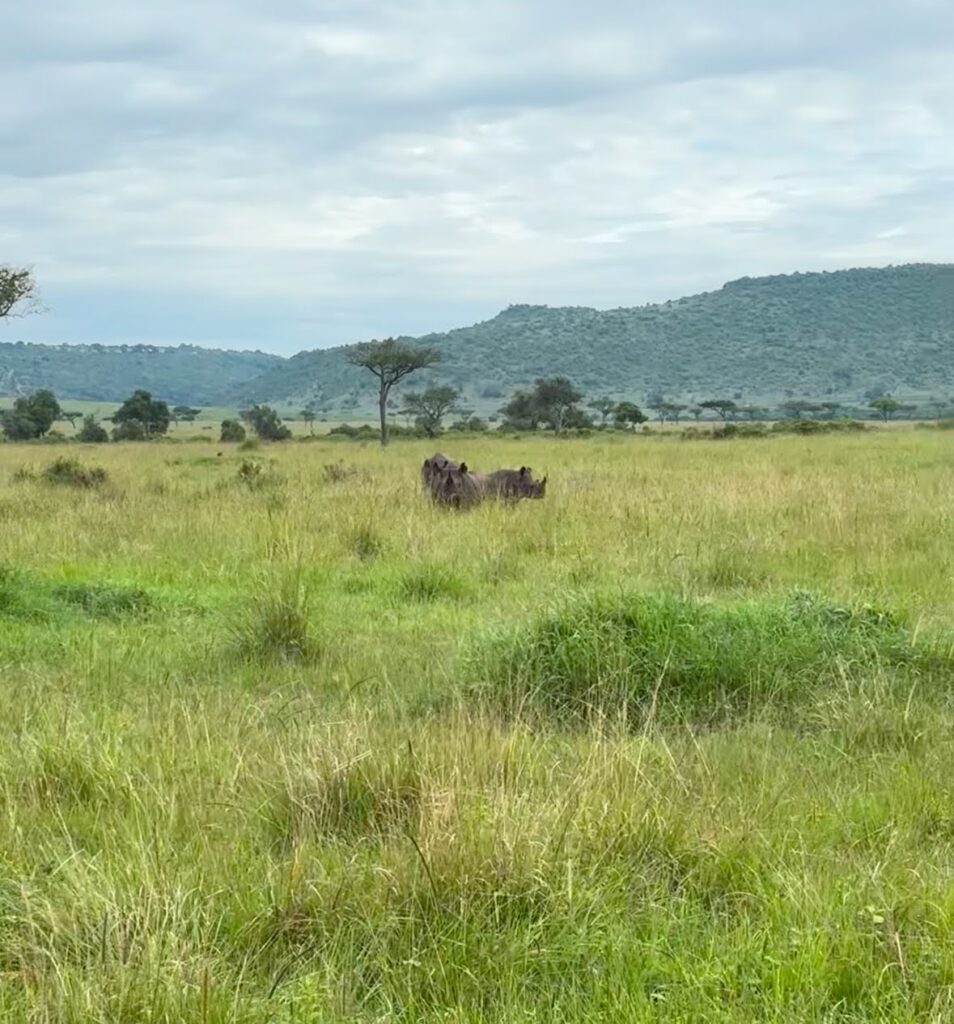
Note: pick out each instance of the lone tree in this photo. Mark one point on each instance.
(885, 406)
(185, 413)
(141, 416)
(31, 417)
(266, 423)
(17, 289)
(521, 412)
(604, 406)
(725, 407)
(556, 399)
(391, 361)
(628, 413)
(308, 418)
(429, 408)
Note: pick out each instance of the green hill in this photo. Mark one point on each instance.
(109, 373)
(822, 336)
(831, 335)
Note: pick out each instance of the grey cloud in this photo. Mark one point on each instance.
(349, 165)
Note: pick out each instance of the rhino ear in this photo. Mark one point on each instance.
(463, 467)
(523, 470)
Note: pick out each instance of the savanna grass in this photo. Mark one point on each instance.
(203, 822)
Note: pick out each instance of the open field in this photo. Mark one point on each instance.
(288, 744)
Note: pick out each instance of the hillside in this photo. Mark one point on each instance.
(105, 373)
(837, 334)
(834, 335)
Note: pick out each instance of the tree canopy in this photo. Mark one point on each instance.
(429, 407)
(266, 423)
(31, 417)
(17, 291)
(141, 416)
(391, 361)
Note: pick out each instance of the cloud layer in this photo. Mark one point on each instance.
(292, 174)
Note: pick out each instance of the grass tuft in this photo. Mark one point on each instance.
(70, 472)
(432, 581)
(275, 625)
(624, 655)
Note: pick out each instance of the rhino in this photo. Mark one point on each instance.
(432, 469)
(514, 484)
(460, 488)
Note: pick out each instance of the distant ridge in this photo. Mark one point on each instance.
(109, 373)
(834, 334)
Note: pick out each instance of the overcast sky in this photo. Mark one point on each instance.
(294, 174)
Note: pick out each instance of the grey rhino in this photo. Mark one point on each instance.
(460, 488)
(432, 469)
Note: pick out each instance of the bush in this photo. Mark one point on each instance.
(623, 655)
(266, 423)
(67, 472)
(129, 430)
(816, 426)
(92, 432)
(362, 433)
(231, 431)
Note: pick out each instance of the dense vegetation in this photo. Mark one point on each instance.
(107, 373)
(846, 336)
(285, 743)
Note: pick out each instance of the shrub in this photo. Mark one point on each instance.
(623, 655)
(68, 472)
(129, 430)
(266, 422)
(231, 431)
(92, 432)
(816, 426)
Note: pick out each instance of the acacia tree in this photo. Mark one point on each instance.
(308, 418)
(604, 406)
(725, 407)
(628, 413)
(430, 407)
(556, 399)
(521, 412)
(185, 413)
(17, 288)
(391, 361)
(885, 405)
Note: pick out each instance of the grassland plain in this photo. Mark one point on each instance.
(272, 750)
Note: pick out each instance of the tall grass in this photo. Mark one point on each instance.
(313, 751)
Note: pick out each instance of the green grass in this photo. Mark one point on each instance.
(672, 745)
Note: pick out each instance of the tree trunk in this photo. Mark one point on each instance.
(383, 410)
